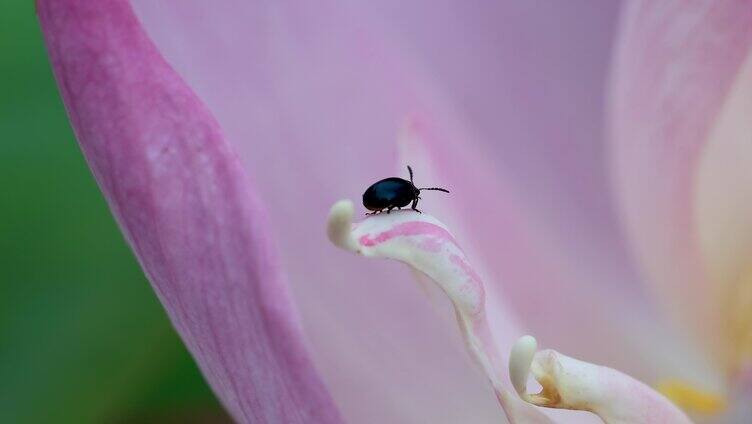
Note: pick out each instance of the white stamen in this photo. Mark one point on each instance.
(568, 383)
(339, 226)
(520, 360)
(427, 246)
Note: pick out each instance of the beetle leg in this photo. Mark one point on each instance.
(389, 210)
(415, 205)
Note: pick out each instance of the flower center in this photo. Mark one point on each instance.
(739, 327)
(692, 399)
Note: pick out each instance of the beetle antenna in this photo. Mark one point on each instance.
(410, 170)
(435, 188)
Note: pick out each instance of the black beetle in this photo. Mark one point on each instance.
(394, 192)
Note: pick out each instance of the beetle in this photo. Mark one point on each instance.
(394, 192)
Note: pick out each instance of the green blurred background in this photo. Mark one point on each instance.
(83, 338)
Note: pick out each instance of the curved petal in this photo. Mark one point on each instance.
(569, 383)
(186, 208)
(322, 90)
(674, 67)
(314, 96)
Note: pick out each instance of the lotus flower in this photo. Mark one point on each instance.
(221, 133)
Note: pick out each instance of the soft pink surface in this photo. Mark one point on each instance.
(187, 209)
(529, 77)
(314, 96)
(554, 293)
(674, 66)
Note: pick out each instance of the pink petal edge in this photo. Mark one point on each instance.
(185, 206)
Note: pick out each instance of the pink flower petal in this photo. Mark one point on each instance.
(530, 78)
(314, 96)
(675, 65)
(530, 272)
(185, 206)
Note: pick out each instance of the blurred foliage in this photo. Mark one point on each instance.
(82, 336)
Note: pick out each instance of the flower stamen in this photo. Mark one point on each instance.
(690, 398)
(569, 383)
(427, 246)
